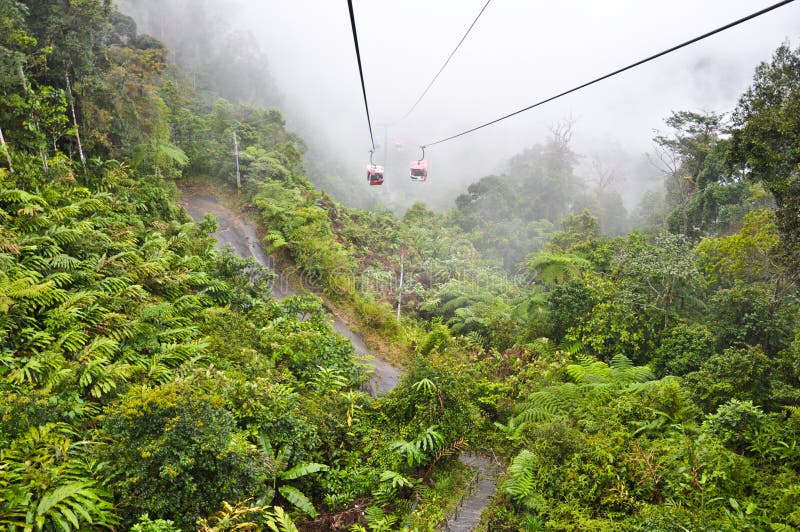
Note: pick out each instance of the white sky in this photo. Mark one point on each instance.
(519, 52)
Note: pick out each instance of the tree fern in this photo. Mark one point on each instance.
(548, 403)
(620, 371)
(553, 268)
(620, 363)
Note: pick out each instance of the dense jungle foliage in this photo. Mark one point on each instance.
(645, 380)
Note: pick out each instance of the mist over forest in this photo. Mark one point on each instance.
(277, 53)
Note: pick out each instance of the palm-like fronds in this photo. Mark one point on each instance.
(556, 268)
(548, 403)
(421, 449)
(620, 371)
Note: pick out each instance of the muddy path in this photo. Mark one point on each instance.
(239, 232)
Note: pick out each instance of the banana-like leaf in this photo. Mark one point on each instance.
(296, 497)
(301, 470)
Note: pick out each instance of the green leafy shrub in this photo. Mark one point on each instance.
(145, 524)
(176, 454)
(733, 421)
(684, 348)
(736, 373)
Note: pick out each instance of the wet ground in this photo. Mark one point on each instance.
(239, 232)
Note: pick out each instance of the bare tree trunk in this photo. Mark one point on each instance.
(5, 150)
(22, 77)
(43, 157)
(75, 123)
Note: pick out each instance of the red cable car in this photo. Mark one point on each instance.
(419, 170)
(375, 174)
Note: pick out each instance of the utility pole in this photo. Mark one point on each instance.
(400, 289)
(236, 154)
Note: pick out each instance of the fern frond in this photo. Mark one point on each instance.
(621, 363)
(279, 521)
(521, 482)
(536, 415)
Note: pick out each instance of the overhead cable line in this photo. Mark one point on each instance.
(445, 63)
(361, 71)
(619, 71)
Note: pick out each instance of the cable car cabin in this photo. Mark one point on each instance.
(419, 170)
(375, 174)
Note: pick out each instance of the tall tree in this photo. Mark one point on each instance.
(544, 175)
(766, 141)
(663, 274)
(14, 43)
(682, 157)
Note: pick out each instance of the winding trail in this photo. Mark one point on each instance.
(239, 232)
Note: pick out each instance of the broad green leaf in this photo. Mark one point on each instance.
(296, 497)
(301, 470)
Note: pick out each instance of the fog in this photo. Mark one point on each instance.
(519, 52)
